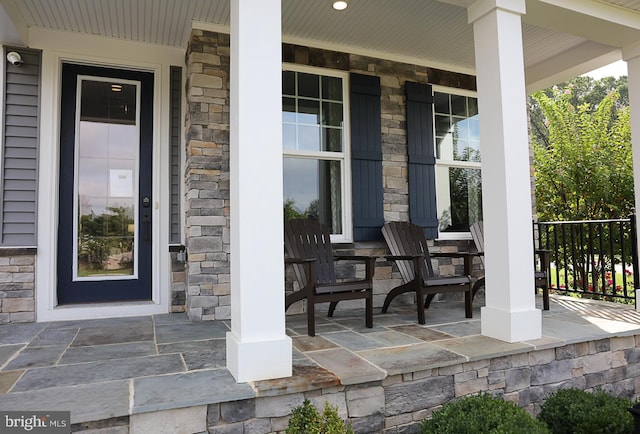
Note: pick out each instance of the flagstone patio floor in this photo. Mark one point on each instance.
(104, 368)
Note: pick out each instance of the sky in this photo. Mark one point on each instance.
(615, 69)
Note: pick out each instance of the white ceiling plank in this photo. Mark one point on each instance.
(426, 32)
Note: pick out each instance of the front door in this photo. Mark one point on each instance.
(106, 148)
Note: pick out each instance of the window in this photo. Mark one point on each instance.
(458, 183)
(315, 148)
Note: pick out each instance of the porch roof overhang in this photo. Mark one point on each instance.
(561, 38)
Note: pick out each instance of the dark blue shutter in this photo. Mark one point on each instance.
(366, 157)
(422, 160)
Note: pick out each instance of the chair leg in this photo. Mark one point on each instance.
(545, 298)
(428, 301)
(468, 303)
(332, 307)
(311, 318)
(476, 287)
(420, 301)
(393, 294)
(369, 310)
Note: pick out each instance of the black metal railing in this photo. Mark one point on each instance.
(594, 258)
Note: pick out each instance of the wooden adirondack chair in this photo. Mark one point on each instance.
(542, 259)
(409, 249)
(308, 247)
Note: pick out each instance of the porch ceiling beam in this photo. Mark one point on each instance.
(591, 20)
(13, 29)
(570, 63)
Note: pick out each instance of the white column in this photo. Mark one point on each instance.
(631, 55)
(257, 345)
(510, 313)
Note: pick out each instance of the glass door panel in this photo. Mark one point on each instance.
(106, 181)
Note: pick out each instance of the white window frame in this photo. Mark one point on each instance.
(343, 157)
(453, 163)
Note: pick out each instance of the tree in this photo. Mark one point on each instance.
(585, 170)
(583, 90)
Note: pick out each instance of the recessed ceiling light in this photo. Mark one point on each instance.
(340, 5)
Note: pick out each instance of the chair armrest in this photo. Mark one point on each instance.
(457, 254)
(353, 257)
(402, 257)
(299, 260)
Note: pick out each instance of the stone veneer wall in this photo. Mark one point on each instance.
(207, 161)
(178, 283)
(17, 286)
(207, 177)
(400, 402)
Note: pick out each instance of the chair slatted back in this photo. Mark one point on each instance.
(477, 233)
(305, 239)
(408, 239)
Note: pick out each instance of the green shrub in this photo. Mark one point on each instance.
(482, 413)
(569, 411)
(305, 419)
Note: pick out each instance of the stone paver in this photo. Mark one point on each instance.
(475, 347)
(421, 332)
(7, 351)
(19, 333)
(571, 331)
(95, 372)
(205, 359)
(192, 331)
(183, 390)
(95, 353)
(33, 357)
(54, 337)
(465, 328)
(115, 334)
(107, 368)
(315, 343)
(352, 341)
(411, 358)
(85, 401)
(391, 338)
(8, 379)
(181, 347)
(349, 367)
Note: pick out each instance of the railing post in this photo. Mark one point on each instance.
(634, 255)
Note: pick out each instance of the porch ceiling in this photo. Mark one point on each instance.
(562, 38)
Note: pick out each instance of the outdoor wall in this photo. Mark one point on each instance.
(207, 163)
(178, 284)
(17, 286)
(400, 402)
(207, 177)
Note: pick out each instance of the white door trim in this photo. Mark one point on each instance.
(114, 53)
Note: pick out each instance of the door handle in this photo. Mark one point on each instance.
(146, 220)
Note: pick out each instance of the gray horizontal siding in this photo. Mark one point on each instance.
(20, 150)
(175, 123)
